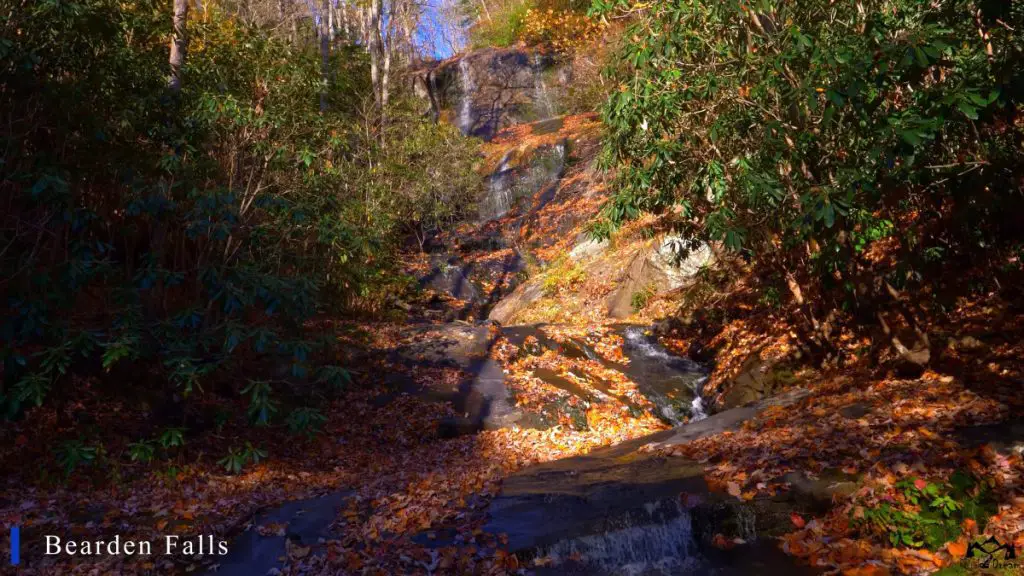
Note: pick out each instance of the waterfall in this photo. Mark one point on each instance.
(697, 412)
(506, 186)
(658, 548)
(498, 200)
(468, 88)
(540, 89)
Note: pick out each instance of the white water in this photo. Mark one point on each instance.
(660, 548)
(468, 86)
(499, 189)
(697, 409)
(540, 89)
(637, 340)
(505, 187)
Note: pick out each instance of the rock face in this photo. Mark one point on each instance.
(673, 264)
(481, 399)
(486, 90)
(519, 299)
(449, 276)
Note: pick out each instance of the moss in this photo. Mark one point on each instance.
(563, 274)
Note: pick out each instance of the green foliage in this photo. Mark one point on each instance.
(306, 421)
(801, 132)
(192, 233)
(933, 513)
(142, 451)
(504, 26)
(172, 438)
(261, 406)
(563, 274)
(641, 298)
(336, 377)
(236, 460)
(73, 454)
(425, 177)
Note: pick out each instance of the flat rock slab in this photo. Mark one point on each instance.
(594, 493)
(454, 344)
(729, 419)
(304, 522)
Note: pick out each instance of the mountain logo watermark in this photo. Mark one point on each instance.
(991, 554)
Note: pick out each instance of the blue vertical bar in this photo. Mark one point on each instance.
(15, 545)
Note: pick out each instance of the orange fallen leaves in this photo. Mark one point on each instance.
(957, 549)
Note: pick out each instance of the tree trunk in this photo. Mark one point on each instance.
(364, 18)
(385, 77)
(344, 20)
(376, 51)
(325, 53)
(179, 44)
(330, 19)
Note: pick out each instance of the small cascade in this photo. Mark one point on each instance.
(540, 88)
(663, 548)
(507, 185)
(468, 86)
(498, 199)
(660, 371)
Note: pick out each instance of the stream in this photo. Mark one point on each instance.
(616, 511)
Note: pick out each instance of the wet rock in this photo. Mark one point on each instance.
(1005, 437)
(450, 277)
(855, 411)
(530, 175)
(728, 419)
(455, 426)
(622, 508)
(672, 383)
(302, 522)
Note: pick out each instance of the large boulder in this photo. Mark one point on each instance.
(672, 264)
(517, 301)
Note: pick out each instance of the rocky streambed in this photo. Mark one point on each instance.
(623, 509)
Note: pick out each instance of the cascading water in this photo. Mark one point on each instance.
(507, 185)
(664, 548)
(499, 189)
(468, 86)
(640, 344)
(540, 88)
